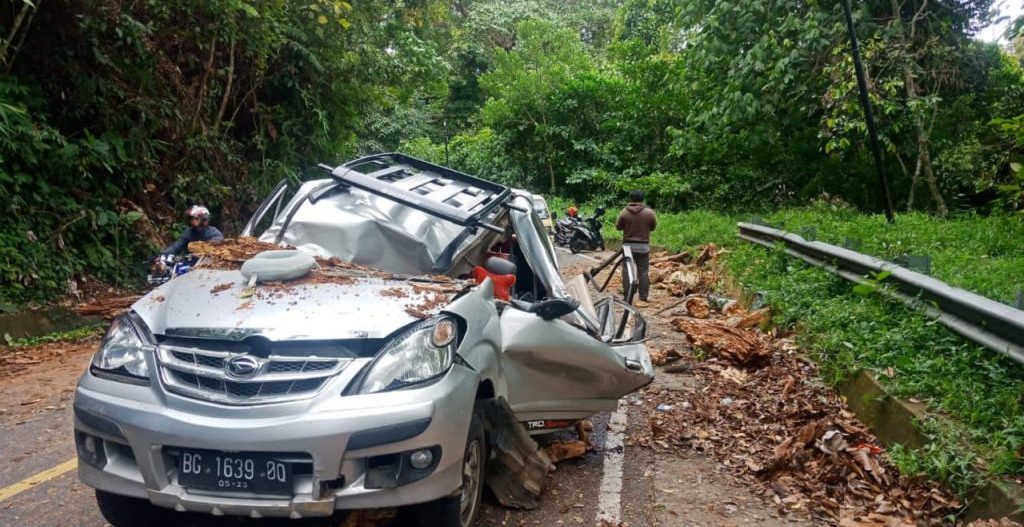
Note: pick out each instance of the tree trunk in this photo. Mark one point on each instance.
(15, 26)
(196, 118)
(551, 171)
(923, 153)
(923, 134)
(227, 88)
(913, 184)
(21, 38)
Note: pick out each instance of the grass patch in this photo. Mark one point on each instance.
(980, 254)
(977, 393)
(73, 335)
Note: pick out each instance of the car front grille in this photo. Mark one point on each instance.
(205, 374)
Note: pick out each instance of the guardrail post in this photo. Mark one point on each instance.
(853, 244)
(1020, 299)
(916, 262)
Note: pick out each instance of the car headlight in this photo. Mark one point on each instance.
(423, 353)
(122, 354)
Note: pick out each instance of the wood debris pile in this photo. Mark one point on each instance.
(561, 450)
(107, 308)
(16, 360)
(681, 275)
(776, 424)
(230, 253)
(743, 347)
(428, 292)
(428, 306)
(758, 407)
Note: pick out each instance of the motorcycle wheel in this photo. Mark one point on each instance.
(576, 245)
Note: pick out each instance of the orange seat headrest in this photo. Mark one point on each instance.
(502, 282)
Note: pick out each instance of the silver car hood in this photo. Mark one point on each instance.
(218, 304)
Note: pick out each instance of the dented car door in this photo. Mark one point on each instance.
(565, 369)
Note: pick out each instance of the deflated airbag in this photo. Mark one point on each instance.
(276, 266)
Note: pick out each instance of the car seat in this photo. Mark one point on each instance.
(502, 272)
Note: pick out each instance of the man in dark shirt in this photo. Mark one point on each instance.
(198, 230)
(636, 221)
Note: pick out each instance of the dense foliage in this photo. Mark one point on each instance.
(744, 105)
(114, 116)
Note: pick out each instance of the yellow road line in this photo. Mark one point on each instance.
(42, 477)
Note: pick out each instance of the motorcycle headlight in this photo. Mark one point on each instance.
(122, 354)
(423, 353)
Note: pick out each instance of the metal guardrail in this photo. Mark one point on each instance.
(992, 324)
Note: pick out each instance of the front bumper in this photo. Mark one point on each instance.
(141, 427)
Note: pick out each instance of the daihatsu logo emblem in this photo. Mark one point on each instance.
(242, 367)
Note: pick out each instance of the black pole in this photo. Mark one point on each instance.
(869, 115)
(446, 142)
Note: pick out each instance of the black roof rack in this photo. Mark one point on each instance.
(448, 194)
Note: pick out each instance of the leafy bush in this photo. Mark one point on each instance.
(61, 213)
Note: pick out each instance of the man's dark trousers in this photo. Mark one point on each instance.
(643, 265)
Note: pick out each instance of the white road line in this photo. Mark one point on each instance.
(610, 496)
(567, 251)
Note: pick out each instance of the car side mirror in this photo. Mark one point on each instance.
(550, 308)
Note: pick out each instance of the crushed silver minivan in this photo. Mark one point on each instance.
(364, 368)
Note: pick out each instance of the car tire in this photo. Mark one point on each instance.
(122, 511)
(576, 245)
(462, 510)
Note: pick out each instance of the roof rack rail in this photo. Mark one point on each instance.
(436, 190)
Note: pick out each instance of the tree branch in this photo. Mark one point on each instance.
(21, 37)
(15, 26)
(917, 16)
(202, 85)
(227, 88)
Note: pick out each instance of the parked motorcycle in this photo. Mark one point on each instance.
(580, 235)
(564, 228)
(167, 266)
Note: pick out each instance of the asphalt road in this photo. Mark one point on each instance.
(39, 486)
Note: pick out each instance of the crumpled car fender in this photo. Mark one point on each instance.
(481, 342)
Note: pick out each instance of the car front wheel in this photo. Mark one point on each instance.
(461, 510)
(122, 511)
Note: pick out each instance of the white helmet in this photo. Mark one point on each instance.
(198, 211)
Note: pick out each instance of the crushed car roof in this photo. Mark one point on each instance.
(394, 212)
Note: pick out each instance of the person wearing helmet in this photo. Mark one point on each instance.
(198, 230)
